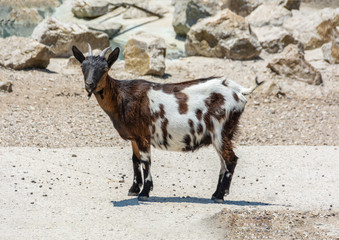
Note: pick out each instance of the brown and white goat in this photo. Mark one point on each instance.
(177, 117)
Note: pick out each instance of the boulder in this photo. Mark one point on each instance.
(223, 35)
(268, 15)
(60, 37)
(154, 7)
(145, 54)
(6, 86)
(288, 4)
(291, 63)
(188, 12)
(315, 29)
(90, 8)
(331, 51)
(25, 15)
(20, 53)
(111, 29)
(242, 7)
(274, 39)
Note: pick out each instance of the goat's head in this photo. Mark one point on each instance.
(95, 68)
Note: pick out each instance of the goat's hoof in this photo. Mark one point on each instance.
(142, 198)
(132, 193)
(217, 200)
(213, 197)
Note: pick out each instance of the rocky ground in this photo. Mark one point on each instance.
(49, 108)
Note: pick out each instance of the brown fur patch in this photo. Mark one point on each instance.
(164, 124)
(198, 113)
(182, 99)
(214, 104)
(200, 129)
(235, 96)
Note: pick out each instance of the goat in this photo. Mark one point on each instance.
(177, 117)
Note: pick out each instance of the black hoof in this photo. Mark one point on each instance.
(142, 198)
(217, 200)
(132, 193)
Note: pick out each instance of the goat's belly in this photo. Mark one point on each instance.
(178, 139)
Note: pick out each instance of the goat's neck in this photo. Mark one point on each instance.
(107, 96)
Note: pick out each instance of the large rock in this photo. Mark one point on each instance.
(188, 12)
(315, 29)
(288, 4)
(268, 15)
(155, 7)
(111, 29)
(145, 54)
(242, 7)
(20, 53)
(60, 37)
(90, 8)
(224, 35)
(291, 63)
(331, 51)
(25, 15)
(274, 39)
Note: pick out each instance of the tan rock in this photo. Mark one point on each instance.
(20, 53)
(60, 37)
(313, 30)
(145, 54)
(6, 86)
(331, 51)
(291, 63)
(223, 35)
(25, 15)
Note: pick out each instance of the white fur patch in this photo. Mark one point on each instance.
(178, 124)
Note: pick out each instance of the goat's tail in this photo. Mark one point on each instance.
(248, 91)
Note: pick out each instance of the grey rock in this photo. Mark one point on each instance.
(242, 7)
(60, 37)
(274, 39)
(21, 53)
(90, 8)
(188, 12)
(225, 35)
(109, 28)
(268, 15)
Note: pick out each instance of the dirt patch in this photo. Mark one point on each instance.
(278, 224)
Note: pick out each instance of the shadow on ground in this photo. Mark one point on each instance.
(134, 201)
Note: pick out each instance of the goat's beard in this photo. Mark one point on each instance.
(89, 95)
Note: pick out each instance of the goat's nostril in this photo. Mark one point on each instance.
(89, 85)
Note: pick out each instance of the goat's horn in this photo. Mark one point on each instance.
(90, 53)
(103, 53)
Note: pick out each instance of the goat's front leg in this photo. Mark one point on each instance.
(137, 179)
(145, 157)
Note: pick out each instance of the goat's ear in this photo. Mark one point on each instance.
(78, 54)
(113, 57)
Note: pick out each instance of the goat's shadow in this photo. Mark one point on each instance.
(135, 202)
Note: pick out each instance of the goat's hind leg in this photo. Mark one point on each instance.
(137, 179)
(228, 164)
(145, 158)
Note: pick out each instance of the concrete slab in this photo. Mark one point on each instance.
(81, 193)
